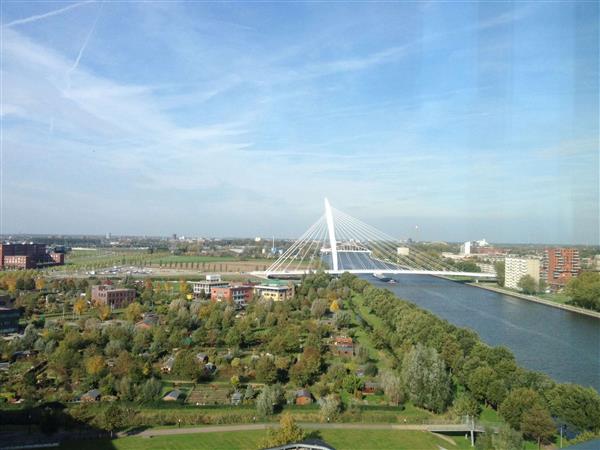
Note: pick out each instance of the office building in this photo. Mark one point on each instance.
(274, 291)
(204, 287)
(9, 320)
(240, 295)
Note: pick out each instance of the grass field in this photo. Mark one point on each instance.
(251, 440)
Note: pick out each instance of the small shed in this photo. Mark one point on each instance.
(202, 358)
(370, 387)
(93, 395)
(168, 364)
(236, 398)
(303, 397)
(172, 396)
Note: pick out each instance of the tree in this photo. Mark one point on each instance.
(538, 424)
(268, 400)
(527, 284)
(342, 319)
(392, 387)
(424, 374)
(40, 283)
(266, 371)
(577, 405)
(150, 390)
(79, 306)
(466, 405)
(94, 365)
(500, 272)
(287, 433)
(186, 365)
(112, 418)
(331, 406)
(235, 381)
(104, 312)
(133, 312)
(517, 403)
(318, 308)
(585, 290)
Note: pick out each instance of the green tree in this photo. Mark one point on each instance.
(186, 365)
(577, 405)
(585, 290)
(527, 284)
(500, 272)
(517, 403)
(466, 405)
(150, 390)
(269, 400)
(426, 379)
(266, 371)
(133, 312)
(538, 424)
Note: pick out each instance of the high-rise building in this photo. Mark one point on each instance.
(559, 265)
(516, 268)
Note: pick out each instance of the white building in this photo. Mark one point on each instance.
(465, 249)
(516, 268)
(205, 286)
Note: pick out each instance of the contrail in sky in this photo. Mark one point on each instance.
(45, 15)
(85, 43)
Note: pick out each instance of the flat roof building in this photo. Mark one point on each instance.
(204, 287)
(559, 265)
(28, 256)
(240, 295)
(516, 268)
(274, 291)
(106, 294)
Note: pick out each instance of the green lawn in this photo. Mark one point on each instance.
(251, 440)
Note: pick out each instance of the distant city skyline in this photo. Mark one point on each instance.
(467, 120)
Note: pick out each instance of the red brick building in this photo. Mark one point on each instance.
(28, 256)
(111, 296)
(559, 265)
(240, 295)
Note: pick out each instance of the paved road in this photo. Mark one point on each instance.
(263, 426)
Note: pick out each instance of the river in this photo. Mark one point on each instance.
(563, 344)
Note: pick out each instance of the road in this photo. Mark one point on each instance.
(151, 432)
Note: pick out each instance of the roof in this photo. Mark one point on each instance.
(303, 393)
(169, 362)
(343, 340)
(174, 394)
(236, 395)
(92, 393)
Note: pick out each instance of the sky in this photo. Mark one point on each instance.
(431, 120)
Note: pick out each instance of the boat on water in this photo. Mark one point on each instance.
(382, 277)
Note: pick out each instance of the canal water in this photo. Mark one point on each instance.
(562, 344)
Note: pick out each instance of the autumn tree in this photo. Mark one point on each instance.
(287, 433)
(79, 306)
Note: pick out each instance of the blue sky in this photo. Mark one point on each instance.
(219, 119)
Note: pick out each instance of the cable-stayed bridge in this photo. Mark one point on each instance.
(338, 243)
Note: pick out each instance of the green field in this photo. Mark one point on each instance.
(251, 440)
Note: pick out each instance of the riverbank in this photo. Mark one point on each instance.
(533, 298)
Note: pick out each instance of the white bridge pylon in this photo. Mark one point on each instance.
(338, 243)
